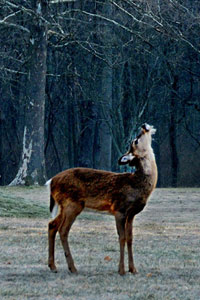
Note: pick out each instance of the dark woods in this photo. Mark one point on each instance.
(78, 79)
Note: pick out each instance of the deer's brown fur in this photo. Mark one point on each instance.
(122, 194)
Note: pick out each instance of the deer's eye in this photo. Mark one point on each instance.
(136, 141)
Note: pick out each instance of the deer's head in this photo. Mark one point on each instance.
(140, 147)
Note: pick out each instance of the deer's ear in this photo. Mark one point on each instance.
(126, 158)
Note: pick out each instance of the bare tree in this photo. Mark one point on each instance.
(111, 65)
(32, 165)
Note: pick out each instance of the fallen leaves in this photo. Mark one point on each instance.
(107, 258)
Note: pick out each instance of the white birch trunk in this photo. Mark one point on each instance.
(26, 157)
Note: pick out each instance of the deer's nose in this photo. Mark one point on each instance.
(146, 127)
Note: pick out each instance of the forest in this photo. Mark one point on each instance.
(79, 77)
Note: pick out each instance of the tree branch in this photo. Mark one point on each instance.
(8, 24)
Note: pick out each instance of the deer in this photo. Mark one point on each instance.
(123, 195)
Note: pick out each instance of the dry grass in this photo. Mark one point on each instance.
(166, 245)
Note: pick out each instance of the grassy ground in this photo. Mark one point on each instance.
(166, 246)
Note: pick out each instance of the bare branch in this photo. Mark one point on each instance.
(108, 20)
(164, 26)
(60, 1)
(2, 22)
(27, 10)
(10, 16)
(13, 71)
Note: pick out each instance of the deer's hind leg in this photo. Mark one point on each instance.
(70, 212)
(53, 228)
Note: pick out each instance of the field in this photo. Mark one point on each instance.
(166, 250)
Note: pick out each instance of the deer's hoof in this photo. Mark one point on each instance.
(53, 269)
(73, 270)
(133, 270)
(121, 272)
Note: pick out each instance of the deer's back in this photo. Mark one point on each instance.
(101, 190)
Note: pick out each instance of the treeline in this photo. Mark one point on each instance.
(79, 77)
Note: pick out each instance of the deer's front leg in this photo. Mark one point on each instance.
(120, 224)
(129, 238)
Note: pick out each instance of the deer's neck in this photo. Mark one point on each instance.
(148, 168)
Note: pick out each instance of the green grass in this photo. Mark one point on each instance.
(12, 205)
(19, 208)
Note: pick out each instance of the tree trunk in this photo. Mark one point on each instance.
(1, 148)
(87, 136)
(173, 134)
(32, 166)
(105, 134)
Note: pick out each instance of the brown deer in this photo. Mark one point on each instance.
(122, 194)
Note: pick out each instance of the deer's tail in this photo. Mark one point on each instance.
(53, 207)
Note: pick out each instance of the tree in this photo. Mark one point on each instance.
(105, 128)
(32, 165)
(111, 65)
